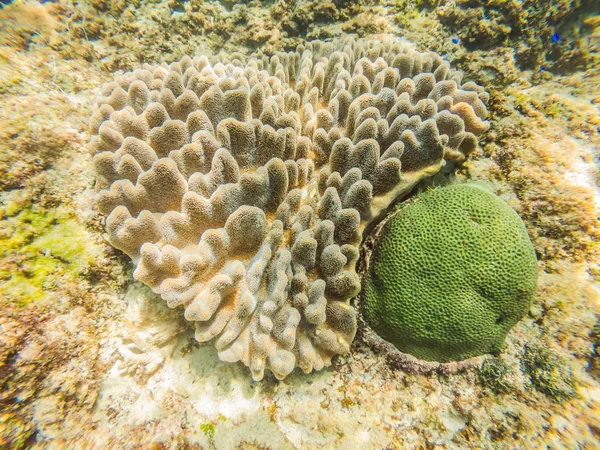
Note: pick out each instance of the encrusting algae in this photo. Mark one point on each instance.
(100, 361)
(40, 248)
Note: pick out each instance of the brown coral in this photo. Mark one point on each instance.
(241, 186)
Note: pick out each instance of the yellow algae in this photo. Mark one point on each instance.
(40, 249)
(592, 22)
(208, 429)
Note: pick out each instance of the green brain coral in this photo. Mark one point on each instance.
(450, 274)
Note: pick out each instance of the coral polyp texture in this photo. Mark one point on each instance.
(450, 274)
(240, 186)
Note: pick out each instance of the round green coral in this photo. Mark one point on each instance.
(450, 274)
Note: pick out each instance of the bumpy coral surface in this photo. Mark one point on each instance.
(450, 274)
(240, 186)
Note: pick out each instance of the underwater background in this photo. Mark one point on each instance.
(90, 358)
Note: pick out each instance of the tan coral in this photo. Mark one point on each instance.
(240, 186)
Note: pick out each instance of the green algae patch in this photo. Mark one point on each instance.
(450, 274)
(548, 373)
(208, 429)
(40, 249)
(496, 375)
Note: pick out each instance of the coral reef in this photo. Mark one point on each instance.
(36, 131)
(450, 274)
(94, 360)
(532, 148)
(545, 35)
(24, 22)
(240, 188)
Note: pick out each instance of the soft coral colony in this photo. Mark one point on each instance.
(240, 186)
